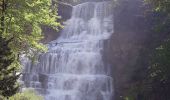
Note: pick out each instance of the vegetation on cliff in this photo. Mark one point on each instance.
(155, 85)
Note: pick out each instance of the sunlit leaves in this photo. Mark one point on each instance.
(23, 22)
(26, 95)
(20, 23)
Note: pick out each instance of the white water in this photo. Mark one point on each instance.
(73, 68)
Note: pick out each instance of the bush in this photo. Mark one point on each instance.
(26, 95)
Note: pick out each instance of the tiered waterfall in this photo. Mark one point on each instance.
(73, 68)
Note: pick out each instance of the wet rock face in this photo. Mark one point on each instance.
(65, 12)
(129, 16)
(49, 34)
(123, 51)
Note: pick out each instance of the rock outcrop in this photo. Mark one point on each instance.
(64, 10)
(124, 52)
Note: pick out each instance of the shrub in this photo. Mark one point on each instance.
(26, 95)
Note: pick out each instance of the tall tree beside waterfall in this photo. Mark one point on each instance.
(159, 71)
(20, 33)
(156, 85)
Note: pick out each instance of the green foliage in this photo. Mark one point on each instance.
(159, 71)
(128, 98)
(160, 10)
(159, 68)
(156, 84)
(8, 69)
(160, 5)
(23, 20)
(26, 95)
(20, 33)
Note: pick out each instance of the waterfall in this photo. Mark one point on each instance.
(73, 67)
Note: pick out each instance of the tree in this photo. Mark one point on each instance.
(161, 9)
(156, 83)
(159, 71)
(8, 76)
(20, 33)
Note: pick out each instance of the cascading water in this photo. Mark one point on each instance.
(73, 68)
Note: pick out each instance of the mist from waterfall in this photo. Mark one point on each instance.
(73, 67)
